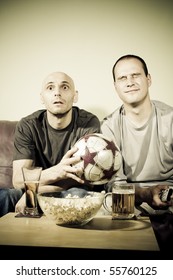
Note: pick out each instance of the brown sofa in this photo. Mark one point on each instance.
(7, 129)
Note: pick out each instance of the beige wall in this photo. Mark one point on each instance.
(83, 39)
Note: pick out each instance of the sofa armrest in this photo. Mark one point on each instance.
(7, 130)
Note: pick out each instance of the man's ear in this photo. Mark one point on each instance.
(41, 98)
(75, 100)
(149, 80)
(115, 85)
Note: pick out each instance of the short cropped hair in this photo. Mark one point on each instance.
(129, 56)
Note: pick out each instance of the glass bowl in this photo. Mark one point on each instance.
(73, 207)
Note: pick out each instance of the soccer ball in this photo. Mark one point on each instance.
(100, 158)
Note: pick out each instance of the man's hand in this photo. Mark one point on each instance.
(152, 195)
(64, 170)
(20, 205)
(66, 166)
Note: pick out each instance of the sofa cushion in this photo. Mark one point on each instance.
(7, 129)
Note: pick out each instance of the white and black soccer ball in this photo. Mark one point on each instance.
(100, 158)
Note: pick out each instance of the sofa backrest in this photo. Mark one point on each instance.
(7, 129)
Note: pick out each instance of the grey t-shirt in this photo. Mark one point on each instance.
(147, 151)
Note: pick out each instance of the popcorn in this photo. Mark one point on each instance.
(71, 210)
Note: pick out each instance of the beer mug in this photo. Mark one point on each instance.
(122, 205)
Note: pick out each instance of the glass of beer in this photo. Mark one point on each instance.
(31, 178)
(122, 205)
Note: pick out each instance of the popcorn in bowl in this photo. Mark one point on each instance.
(73, 207)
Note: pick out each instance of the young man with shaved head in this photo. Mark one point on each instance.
(46, 138)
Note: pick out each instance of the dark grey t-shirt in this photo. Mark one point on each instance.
(35, 139)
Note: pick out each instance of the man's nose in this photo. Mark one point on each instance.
(57, 91)
(130, 81)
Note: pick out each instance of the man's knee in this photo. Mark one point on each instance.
(8, 200)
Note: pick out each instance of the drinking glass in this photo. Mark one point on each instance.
(31, 178)
(123, 201)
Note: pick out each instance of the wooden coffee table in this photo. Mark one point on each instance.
(101, 236)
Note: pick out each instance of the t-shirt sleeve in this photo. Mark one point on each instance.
(24, 147)
(88, 123)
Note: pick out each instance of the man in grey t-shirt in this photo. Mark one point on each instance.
(143, 131)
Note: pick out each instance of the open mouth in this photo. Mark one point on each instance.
(57, 102)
